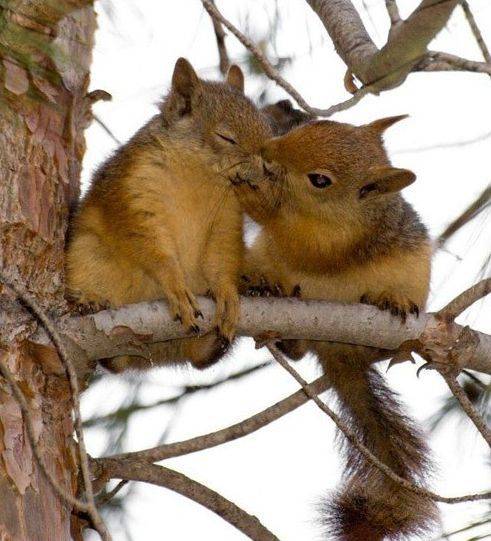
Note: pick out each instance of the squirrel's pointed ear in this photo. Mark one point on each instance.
(235, 77)
(184, 79)
(380, 125)
(386, 179)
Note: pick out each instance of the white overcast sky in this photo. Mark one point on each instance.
(280, 472)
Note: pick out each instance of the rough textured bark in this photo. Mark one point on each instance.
(45, 50)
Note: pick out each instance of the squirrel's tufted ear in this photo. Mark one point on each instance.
(184, 79)
(185, 86)
(380, 125)
(235, 77)
(385, 179)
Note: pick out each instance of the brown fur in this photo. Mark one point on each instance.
(282, 116)
(356, 239)
(161, 219)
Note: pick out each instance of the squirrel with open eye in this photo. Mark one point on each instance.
(335, 227)
(161, 219)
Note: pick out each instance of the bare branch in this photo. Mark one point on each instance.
(135, 470)
(352, 437)
(467, 405)
(274, 74)
(345, 27)
(220, 35)
(231, 433)
(125, 412)
(473, 210)
(475, 30)
(451, 144)
(393, 11)
(110, 495)
(129, 329)
(437, 61)
(407, 43)
(465, 300)
(104, 126)
(71, 374)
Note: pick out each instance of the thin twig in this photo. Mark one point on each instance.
(352, 437)
(125, 412)
(104, 126)
(466, 299)
(103, 500)
(440, 61)
(473, 210)
(465, 529)
(450, 144)
(274, 74)
(159, 475)
(467, 405)
(220, 35)
(231, 433)
(476, 31)
(53, 333)
(64, 496)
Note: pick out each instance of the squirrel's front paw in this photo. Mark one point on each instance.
(398, 304)
(184, 308)
(226, 313)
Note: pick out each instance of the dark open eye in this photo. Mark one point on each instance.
(319, 180)
(225, 138)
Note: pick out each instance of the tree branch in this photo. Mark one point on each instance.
(467, 405)
(476, 31)
(128, 330)
(407, 43)
(123, 413)
(137, 470)
(358, 444)
(473, 210)
(231, 433)
(220, 35)
(345, 27)
(466, 299)
(437, 61)
(393, 12)
(274, 74)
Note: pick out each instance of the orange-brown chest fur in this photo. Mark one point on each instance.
(164, 200)
(333, 263)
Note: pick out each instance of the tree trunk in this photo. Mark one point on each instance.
(45, 51)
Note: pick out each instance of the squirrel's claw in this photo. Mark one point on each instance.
(398, 305)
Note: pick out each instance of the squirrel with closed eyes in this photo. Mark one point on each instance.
(335, 227)
(161, 219)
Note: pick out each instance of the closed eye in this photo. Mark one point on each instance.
(225, 138)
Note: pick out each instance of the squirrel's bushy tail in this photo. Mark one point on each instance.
(369, 506)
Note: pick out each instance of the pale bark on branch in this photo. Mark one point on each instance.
(130, 329)
(406, 49)
(407, 44)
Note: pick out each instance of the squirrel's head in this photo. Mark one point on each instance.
(330, 169)
(218, 121)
